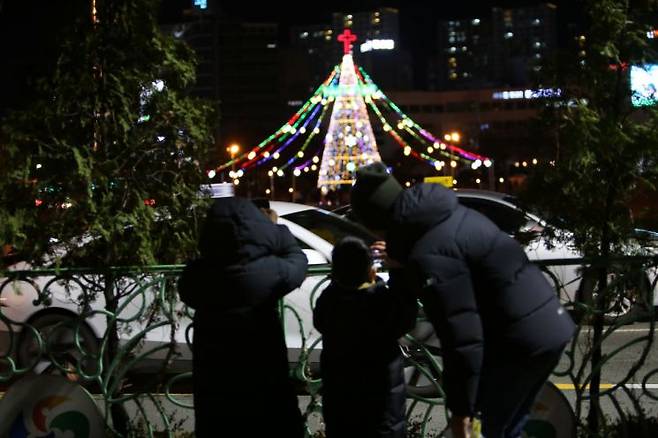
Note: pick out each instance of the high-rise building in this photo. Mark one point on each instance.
(238, 69)
(505, 48)
(376, 48)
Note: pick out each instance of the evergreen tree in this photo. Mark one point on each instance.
(606, 149)
(105, 168)
(113, 149)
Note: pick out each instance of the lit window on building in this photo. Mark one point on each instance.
(508, 35)
(475, 21)
(271, 46)
(536, 22)
(303, 35)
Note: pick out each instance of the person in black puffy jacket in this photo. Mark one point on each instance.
(501, 326)
(363, 391)
(241, 377)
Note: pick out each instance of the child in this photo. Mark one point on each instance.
(361, 362)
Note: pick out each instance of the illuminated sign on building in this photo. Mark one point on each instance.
(527, 94)
(377, 45)
(201, 4)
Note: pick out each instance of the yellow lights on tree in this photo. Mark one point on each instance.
(534, 161)
(306, 169)
(447, 137)
(316, 130)
(270, 173)
(430, 149)
(351, 167)
(268, 191)
(477, 181)
(274, 169)
(300, 154)
(501, 180)
(276, 156)
(438, 165)
(232, 174)
(454, 182)
(279, 172)
(314, 168)
(524, 164)
(453, 163)
(290, 190)
(38, 166)
(236, 181)
(407, 151)
(297, 172)
(387, 127)
(332, 162)
(487, 163)
(251, 155)
(266, 154)
(211, 173)
(316, 159)
(443, 146)
(476, 164)
(302, 130)
(408, 184)
(517, 164)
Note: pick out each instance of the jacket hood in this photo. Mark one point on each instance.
(424, 205)
(235, 231)
(415, 212)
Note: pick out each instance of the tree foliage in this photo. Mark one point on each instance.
(606, 149)
(111, 154)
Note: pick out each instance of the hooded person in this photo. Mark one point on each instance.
(361, 321)
(240, 362)
(500, 323)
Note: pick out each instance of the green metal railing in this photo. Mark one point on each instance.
(123, 334)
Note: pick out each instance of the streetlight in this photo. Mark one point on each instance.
(233, 150)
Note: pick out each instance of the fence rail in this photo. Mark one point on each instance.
(58, 321)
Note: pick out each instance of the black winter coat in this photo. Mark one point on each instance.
(477, 287)
(363, 391)
(241, 376)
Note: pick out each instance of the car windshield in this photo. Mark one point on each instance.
(329, 226)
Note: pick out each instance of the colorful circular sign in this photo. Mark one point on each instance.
(49, 407)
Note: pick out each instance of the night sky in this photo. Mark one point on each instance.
(29, 31)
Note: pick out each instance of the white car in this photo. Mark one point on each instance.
(503, 210)
(316, 231)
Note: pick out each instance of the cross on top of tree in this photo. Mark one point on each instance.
(347, 38)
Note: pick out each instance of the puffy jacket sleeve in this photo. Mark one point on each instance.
(291, 260)
(404, 302)
(449, 301)
(192, 279)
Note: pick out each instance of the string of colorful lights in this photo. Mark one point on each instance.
(349, 141)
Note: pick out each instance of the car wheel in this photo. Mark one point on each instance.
(58, 352)
(627, 295)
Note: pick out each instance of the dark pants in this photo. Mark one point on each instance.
(508, 388)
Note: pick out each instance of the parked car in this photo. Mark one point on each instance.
(316, 231)
(527, 228)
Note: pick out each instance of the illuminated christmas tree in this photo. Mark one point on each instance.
(350, 142)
